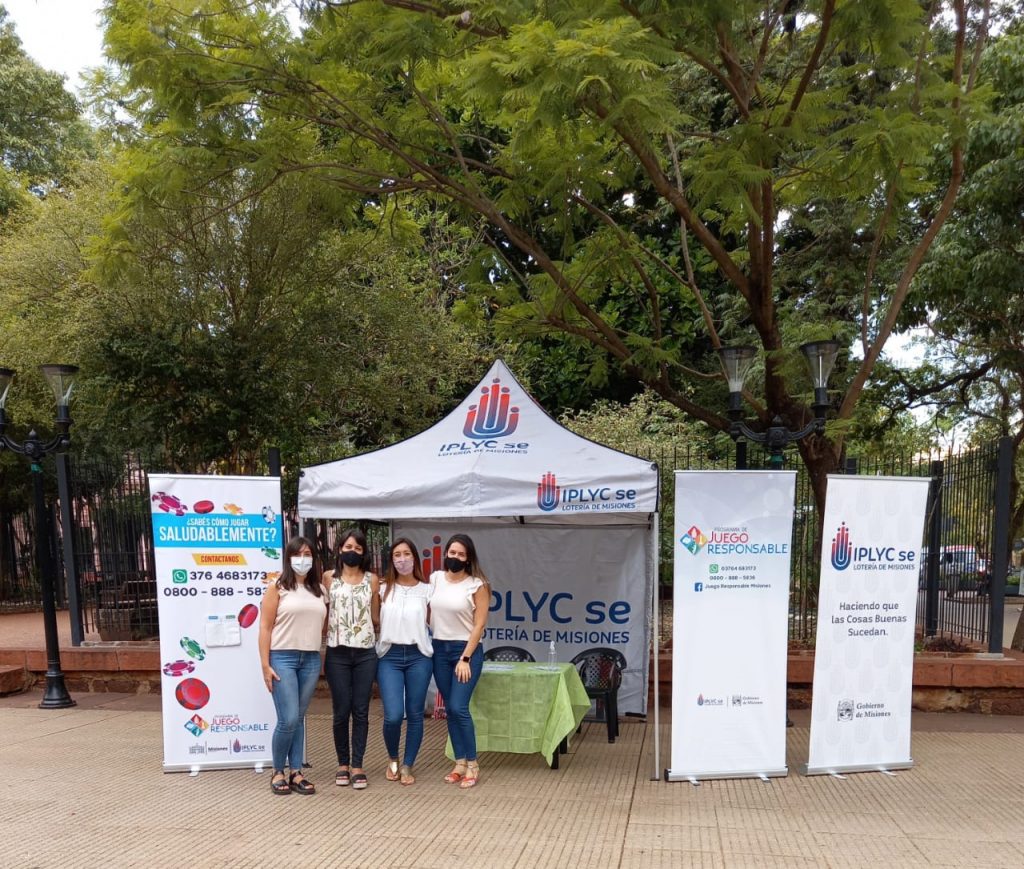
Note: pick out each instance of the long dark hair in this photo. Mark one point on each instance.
(360, 538)
(473, 568)
(288, 579)
(391, 575)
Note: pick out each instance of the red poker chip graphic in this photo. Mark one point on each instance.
(203, 506)
(192, 693)
(247, 615)
(178, 668)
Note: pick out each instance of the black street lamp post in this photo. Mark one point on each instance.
(736, 361)
(61, 379)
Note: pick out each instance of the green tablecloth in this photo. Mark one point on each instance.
(526, 708)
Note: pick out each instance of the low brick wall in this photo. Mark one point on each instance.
(13, 679)
(128, 669)
(943, 682)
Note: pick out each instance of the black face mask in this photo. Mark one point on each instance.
(455, 565)
(351, 558)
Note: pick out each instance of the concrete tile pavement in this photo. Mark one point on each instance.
(85, 788)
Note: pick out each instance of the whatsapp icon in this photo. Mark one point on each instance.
(179, 576)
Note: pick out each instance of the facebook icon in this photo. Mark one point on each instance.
(698, 586)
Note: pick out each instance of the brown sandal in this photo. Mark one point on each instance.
(406, 776)
(457, 774)
(471, 776)
(391, 772)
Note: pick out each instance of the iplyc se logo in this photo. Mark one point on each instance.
(548, 492)
(492, 417)
(842, 548)
(432, 557)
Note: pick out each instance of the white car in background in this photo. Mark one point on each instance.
(960, 569)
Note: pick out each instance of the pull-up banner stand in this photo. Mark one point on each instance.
(864, 655)
(217, 542)
(733, 532)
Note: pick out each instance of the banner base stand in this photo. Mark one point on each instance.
(193, 769)
(886, 768)
(695, 778)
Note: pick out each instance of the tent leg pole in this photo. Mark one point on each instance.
(656, 635)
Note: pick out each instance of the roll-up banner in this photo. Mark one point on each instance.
(864, 654)
(217, 542)
(733, 532)
(579, 587)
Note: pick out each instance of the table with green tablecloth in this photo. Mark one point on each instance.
(526, 708)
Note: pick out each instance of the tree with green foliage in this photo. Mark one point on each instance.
(970, 296)
(215, 328)
(42, 135)
(652, 177)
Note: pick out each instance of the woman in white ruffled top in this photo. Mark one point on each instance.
(405, 651)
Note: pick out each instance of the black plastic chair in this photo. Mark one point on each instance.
(601, 673)
(509, 654)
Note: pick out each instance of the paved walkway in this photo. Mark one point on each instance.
(84, 787)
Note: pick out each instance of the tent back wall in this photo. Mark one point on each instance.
(583, 587)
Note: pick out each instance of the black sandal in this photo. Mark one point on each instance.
(278, 785)
(359, 781)
(304, 786)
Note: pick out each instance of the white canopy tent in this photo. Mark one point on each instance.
(566, 529)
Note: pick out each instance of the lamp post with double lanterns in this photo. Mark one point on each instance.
(736, 362)
(61, 379)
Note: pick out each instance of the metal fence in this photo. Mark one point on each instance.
(110, 556)
(960, 589)
(113, 547)
(20, 571)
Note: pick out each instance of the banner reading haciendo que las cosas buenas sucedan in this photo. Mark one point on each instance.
(864, 653)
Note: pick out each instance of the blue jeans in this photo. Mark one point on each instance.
(299, 673)
(456, 694)
(402, 676)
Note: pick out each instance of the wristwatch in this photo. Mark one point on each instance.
(465, 659)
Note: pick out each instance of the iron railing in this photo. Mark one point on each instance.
(961, 581)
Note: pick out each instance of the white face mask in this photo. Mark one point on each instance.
(302, 564)
(404, 566)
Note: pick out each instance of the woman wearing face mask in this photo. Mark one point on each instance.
(404, 668)
(291, 630)
(353, 617)
(459, 600)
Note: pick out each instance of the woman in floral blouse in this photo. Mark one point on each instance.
(351, 663)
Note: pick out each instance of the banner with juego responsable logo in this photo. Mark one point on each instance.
(733, 533)
(217, 542)
(867, 598)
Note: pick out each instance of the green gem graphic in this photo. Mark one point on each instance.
(179, 576)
